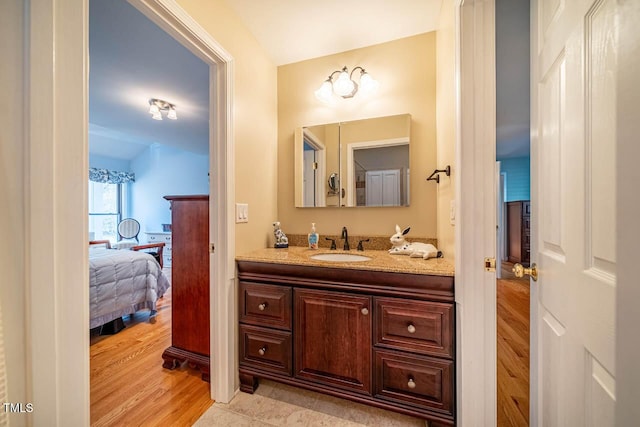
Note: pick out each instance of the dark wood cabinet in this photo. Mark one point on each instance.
(519, 231)
(379, 338)
(189, 283)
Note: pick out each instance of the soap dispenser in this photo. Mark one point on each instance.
(313, 237)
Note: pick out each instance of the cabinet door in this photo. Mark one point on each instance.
(333, 339)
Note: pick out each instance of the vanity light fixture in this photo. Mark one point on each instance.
(345, 86)
(156, 106)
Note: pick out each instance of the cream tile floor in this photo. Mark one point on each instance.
(275, 404)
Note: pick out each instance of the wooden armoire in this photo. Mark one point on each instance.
(189, 283)
(519, 231)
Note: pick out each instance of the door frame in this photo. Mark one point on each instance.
(321, 170)
(56, 159)
(477, 400)
(363, 145)
(475, 234)
(170, 17)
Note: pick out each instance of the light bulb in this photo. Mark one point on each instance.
(368, 84)
(344, 86)
(172, 114)
(154, 109)
(324, 91)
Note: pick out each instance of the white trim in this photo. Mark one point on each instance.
(172, 18)
(321, 171)
(351, 147)
(535, 392)
(57, 294)
(475, 204)
(56, 205)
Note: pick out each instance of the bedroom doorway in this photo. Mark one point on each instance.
(182, 165)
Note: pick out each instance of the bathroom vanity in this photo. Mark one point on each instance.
(379, 332)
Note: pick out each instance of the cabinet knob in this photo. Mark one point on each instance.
(411, 383)
(411, 328)
(262, 306)
(365, 311)
(263, 350)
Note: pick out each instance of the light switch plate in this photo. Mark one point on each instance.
(452, 212)
(242, 212)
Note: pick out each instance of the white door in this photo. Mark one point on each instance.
(373, 188)
(391, 187)
(573, 201)
(383, 188)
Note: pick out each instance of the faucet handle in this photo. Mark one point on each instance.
(333, 243)
(360, 247)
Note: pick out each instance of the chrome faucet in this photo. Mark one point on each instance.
(345, 236)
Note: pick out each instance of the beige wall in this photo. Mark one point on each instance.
(12, 213)
(255, 119)
(446, 119)
(406, 71)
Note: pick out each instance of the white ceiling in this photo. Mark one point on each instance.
(295, 30)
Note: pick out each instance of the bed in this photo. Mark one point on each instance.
(122, 282)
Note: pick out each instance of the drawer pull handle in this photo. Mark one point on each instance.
(411, 383)
(263, 350)
(262, 306)
(365, 311)
(411, 329)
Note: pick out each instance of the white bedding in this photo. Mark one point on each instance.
(122, 282)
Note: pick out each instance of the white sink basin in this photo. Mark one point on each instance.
(340, 257)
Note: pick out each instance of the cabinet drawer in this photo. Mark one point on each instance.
(266, 349)
(418, 380)
(164, 238)
(417, 326)
(265, 305)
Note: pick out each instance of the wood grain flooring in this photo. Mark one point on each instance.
(513, 352)
(129, 386)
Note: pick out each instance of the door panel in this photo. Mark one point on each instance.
(574, 202)
(333, 339)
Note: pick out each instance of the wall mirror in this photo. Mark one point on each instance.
(361, 163)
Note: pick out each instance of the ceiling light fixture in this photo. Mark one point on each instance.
(345, 86)
(156, 106)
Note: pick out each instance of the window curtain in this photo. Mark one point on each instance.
(110, 177)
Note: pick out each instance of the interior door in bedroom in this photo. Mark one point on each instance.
(573, 200)
(189, 283)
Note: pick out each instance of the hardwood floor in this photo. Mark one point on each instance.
(129, 386)
(513, 352)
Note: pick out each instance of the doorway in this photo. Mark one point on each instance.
(513, 322)
(159, 154)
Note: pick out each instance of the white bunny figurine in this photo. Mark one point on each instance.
(414, 250)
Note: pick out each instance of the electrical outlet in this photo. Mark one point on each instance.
(242, 212)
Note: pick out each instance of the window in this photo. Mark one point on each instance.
(105, 210)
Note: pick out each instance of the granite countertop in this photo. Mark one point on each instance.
(380, 260)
